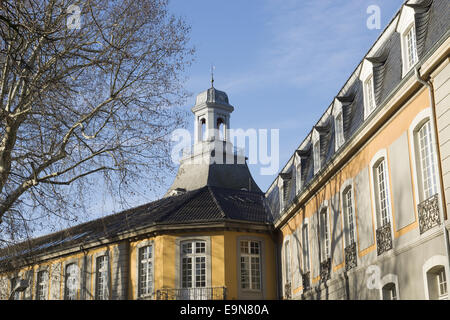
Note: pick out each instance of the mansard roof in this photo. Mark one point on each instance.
(432, 26)
(201, 206)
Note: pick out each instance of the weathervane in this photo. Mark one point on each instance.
(212, 75)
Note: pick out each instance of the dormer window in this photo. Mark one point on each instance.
(369, 94)
(407, 30)
(366, 77)
(339, 125)
(410, 47)
(316, 155)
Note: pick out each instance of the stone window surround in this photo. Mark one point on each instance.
(178, 243)
(104, 252)
(140, 245)
(436, 260)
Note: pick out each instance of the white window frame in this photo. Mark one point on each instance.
(316, 151)
(42, 285)
(365, 75)
(101, 289)
(386, 280)
(422, 117)
(325, 237)
(348, 185)
(70, 293)
(305, 246)
(287, 260)
(381, 156)
(148, 290)
(194, 256)
(432, 263)
(338, 125)
(253, 286)
(406, 23)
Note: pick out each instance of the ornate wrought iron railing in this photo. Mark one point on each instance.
(325, 270)
(209, 293)
(287, 290)
(384, 238)
(306, 281)
(350, 256)
(428, 213)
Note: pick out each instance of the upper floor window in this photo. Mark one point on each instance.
(287, 260)
(407, 30)
(101, 278)
(305, 246)
(324, 235)
(250, 259)
(427, 163)
(410, 46)
(347, 205)
(316, 156)
(369, 95)
(145, 282)
(339, 125)
(381, 193)
(42, 285)
(72, 281)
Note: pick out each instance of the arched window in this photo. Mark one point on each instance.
(202, 129)
(72, 282)
(389, 291)
(287, 261)
(437, 283)
(42, 285)
(221, 129)
(347, 205)
(382, 201)
(324, 235)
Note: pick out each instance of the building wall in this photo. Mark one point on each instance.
(410, 249)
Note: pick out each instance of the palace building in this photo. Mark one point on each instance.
(359, 211)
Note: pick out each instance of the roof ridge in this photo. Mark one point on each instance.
(216, 202)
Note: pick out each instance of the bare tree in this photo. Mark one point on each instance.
(86, 96)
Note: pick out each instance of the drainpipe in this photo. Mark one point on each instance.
(442, 203)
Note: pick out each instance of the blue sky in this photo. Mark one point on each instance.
(281, 62)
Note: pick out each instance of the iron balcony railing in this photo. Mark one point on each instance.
(428, 213)
(350, 256)
(325, 270)
(207, 293)
(384, 238)
(287, 290)
(306, 281)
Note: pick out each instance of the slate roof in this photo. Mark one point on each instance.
(205, 205)
(432, 24)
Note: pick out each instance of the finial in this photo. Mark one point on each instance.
(212, 75)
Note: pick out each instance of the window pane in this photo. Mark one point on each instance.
(42, 285)
(145, 271)
(427, 161)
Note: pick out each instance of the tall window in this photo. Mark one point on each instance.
(193, 264)
(381, 193)
(369, 94)
(72, 281)
(305, 241)
(145, 271)
(324, 234)
(410, 47)
(101, 278)
(339, 130)
(389, 291)
(250, 265)
(42, 285)
(348, 216)
(427, 163)
(316, 156)
(437, 283)
(287, 261)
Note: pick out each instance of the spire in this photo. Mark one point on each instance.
(212, 75)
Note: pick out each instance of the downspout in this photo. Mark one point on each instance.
(442, 203)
